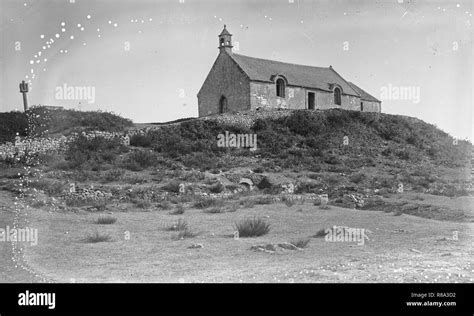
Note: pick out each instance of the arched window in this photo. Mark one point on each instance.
(223, 104)
(337, 96)
(222, 42)
(280, 88)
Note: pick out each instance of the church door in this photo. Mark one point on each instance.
(223, 105)
(311, 100)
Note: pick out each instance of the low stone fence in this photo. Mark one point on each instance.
(43, 145)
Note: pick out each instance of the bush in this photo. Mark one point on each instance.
(214, 210)
(179, 210)
(179, 226)
(264, 184)
(247, 203)
(183, 234)
(288, 202)
(51, 187)
(141, 159)
(141, 140)
(141, 203)
(97, 237)
(12, 123)
(357, 177)
(94, 152)
(113, 175)
(172, 187)
(320, 233)
(203, 203)
(106, 220)
(262, 200)
(252, 227)
(300, 243)
(216, 188)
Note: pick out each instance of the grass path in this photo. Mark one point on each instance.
(401, 248)
(11, 271)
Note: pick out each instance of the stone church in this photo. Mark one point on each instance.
(240, 83)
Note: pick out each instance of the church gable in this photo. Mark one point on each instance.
(225, 89)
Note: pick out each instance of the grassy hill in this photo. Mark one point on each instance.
(42, 121)
(307, 147)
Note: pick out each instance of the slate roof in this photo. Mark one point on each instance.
(363, 94)
(321, 78)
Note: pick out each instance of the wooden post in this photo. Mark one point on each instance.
(24, 91)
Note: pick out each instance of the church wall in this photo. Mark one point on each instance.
(224, 79)
(372, 106)
(325, 100)
(263, 95)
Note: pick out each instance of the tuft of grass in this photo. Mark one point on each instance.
(97, 237)
(288, 202)
(106, 220)
(214, 210)
(113, 175)
(252, 227)
(178, 226)
(325, 207)
(179, 210)
(247, 203)
(142, 203)
(164, 205)
(264, 200)
(216, 187)
(320, 233)
(203, 203)
(301, 242)
(183, 234)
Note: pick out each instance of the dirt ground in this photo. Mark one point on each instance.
(400, 248)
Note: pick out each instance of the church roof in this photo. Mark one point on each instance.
(321, 78)
(363, 94)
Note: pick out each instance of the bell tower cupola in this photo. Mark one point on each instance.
(225, 41)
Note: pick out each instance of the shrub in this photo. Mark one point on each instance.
(357, 177)
(264, 200)
(288, 201)
(216, 188)
(97, 237)
(113, 175)
(141, 159)
(12, 123)
(141, 203)
(264, 184)
(172, 187)
(179, 210)
(214, 210)
(320, 233)
(95, 151)
(183, 234)
(141, 140)
(301, 243)
(252, 227)
(51, 187)
(164, 205)
(247, 203)
(106, 220)
(179, 226)
(203, 203)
